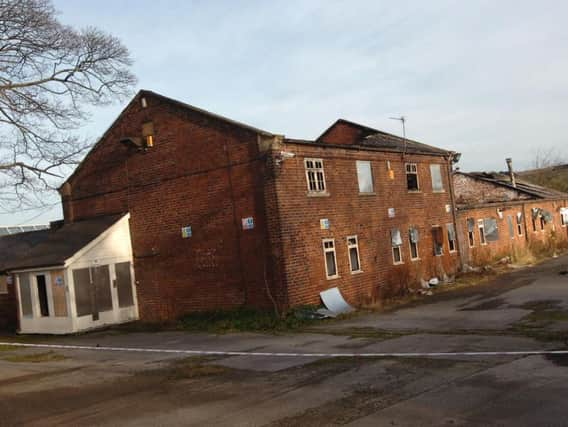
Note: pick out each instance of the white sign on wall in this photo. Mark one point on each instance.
(324, 224)
(248, 223)
(391, 212)
(186, 232)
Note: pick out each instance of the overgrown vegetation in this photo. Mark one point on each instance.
(555, 177)
(247, 320)
(49, 356)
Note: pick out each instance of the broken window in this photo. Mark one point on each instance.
(330, 259)
(451, 237)
(519, 223)
(438, 240)
(511, 226)
(542, 222)
(471, 232)
(436, 173)
(396, 243)
(412, 176)
(353, 249)
(563, 216)
(364, 176)
(314, 175)
(481, 228)
(491, 229)
(413, 237)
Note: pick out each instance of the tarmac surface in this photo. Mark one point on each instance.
(526, 309)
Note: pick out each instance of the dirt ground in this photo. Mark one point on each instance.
(523, 310)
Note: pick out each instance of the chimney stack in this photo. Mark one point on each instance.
(511, 173)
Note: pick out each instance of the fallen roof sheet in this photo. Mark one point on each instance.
(335, 302)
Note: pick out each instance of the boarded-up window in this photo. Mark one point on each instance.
(26, 295)
(82, 284)
(124, 284)
(364, 176)
(101, 280)
(491, 229)
(3, 284)
(511, 226)
(438, 240)
(58, 293)
(436, 173)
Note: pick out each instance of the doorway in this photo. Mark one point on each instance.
(42, 295)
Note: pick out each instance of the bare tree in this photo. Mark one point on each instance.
(544, 157)
(49, 73)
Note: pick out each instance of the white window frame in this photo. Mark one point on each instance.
(410, 243)
(481, 229)
(325, 251)
(356, 247)
(470, 234)
(451, 242)
(315, 170)
(412, 166)
(519, 224)
(368, 162)
(399, 249)
(439, 168)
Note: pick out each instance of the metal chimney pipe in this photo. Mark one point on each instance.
(511, 173)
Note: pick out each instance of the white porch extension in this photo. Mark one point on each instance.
(90, 285)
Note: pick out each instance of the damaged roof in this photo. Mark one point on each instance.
(51, 247)
(377, 139)
(503, 180)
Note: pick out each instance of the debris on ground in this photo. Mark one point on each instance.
(334, 302)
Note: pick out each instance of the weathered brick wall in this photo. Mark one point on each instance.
(469, 190)
(507, 245)
(201, 172)
(366, 216)
(342, 134)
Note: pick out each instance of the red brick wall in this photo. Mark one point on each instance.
(366, 216)
(342, 133)
(553, 233)
(201, 172)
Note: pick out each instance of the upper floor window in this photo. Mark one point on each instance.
(364, 176)
(315, 176)
(148, 134)
(436, 173)
(353, 248)
(412, 176)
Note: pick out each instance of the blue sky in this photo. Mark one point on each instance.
(486, 78)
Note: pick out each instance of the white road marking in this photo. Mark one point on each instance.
(284, 354)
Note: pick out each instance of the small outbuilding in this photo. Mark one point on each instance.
(72, 277)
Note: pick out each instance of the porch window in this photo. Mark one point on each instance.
(26, 295)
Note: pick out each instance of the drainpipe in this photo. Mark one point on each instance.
(454, 157)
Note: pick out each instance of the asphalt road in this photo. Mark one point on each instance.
(522, 310)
